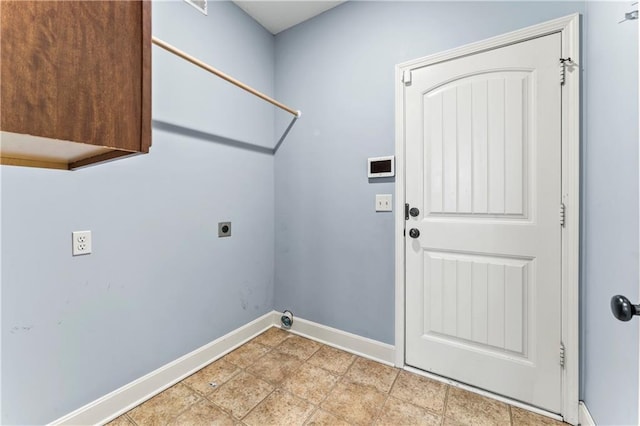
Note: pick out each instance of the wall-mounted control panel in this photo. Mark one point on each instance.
(378, 167)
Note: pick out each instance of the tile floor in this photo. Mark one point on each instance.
(279, 378)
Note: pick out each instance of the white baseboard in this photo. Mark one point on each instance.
(135, 393)
(129, 396)
(584, 416)
(125, 398)
(358, 345)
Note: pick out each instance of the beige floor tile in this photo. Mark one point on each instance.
(450, 422)
(311, 383)
(272, 337)
(522, 417)
(323, 418)
(356, 403)
(420, 391)
(246, 354)
(203, 413)
(274, 367)
(267, 381)
(165, 406)
(397, 412)
(123, 420)
(332, 359)
(299, 347)
(280, 408)
(217, 372)
(240, 394)
(465, 407)
(367, 372)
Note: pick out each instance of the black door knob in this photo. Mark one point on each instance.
(414, 212)
(414, 233)
(623, 309)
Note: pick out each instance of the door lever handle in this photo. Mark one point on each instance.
(623, 309)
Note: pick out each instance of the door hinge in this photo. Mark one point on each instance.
(563, 211)
(406, 77)
(563, 69)
(562, 355)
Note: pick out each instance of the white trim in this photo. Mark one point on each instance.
(118, 402)
(125, 398)
(400, 218)
(203, 10)
(358, 345)
(569, 27)
(571, 230)
(534, 31)
(584, 416)
(483, 393)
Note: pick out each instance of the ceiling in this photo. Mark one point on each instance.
(277, 16)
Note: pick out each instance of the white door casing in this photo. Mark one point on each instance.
(493, 302)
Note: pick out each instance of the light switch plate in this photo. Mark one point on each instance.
(384, 203)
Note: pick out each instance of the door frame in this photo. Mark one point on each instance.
(569, 27)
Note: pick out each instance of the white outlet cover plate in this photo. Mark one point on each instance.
(81, 243)
(384, 203)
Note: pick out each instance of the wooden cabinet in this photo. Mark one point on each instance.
(75, 81)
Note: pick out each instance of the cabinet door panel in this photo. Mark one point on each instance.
(77, 71)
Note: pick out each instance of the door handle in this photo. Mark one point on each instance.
(413, 211)
(414, 233)
(623, 309)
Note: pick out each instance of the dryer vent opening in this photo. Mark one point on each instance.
(286, 319)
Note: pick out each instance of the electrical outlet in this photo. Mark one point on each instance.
(384, 203)
(224, 229)
(81, 242)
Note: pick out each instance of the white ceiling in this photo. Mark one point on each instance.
(277, 16)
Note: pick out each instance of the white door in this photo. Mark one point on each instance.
(483, 167)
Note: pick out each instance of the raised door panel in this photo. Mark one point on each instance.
(482, 302)
(476, 140)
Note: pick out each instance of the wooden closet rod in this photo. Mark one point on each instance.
(195, 61)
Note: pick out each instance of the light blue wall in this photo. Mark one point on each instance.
(159, 282)
(335, 255)
(610, 213)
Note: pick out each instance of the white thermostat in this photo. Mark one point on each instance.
(381, 167)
